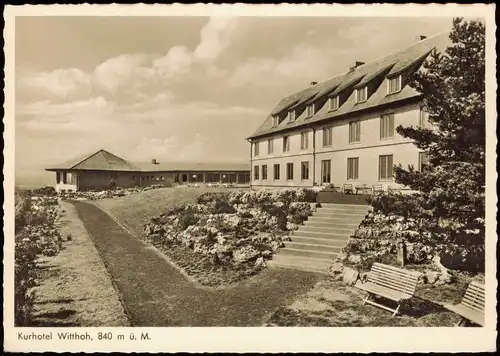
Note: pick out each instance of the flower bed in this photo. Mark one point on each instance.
(230, 233)
(36, 235)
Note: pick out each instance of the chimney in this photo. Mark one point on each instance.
(313, 83)
(153, 161)
(356, 65)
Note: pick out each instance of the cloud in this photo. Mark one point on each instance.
(299, 67)
(61, 83)
(119, 71)
(215, 37)
(135, 77)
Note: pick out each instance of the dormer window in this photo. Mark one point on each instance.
(276, 120)
(394, 84)
(333, 103)
(291, 116)
(361, 94)
(310, 110)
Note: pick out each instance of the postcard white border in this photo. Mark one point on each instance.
(291, 339)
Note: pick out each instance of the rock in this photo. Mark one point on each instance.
(267, 253)
(349, 276)
(335, 270)
(354, 259)
(244, 254)
(259, 262)
(431, 277)
(443, 279)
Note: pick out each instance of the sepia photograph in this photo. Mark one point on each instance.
(272, 170)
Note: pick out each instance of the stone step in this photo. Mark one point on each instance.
(298, 267)
(321, 235)
(312, 247)
(338, 214)
(350, 220)
(308, 253)
(327, 224)
(300, 261)
(319, 241)
(341, 209)
(327, 230)
(345, 206)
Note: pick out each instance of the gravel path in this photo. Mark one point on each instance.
(75, 288)
(156, 294)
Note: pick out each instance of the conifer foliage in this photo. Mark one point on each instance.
(450, 202)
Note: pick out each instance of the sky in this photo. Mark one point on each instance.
(176, 88)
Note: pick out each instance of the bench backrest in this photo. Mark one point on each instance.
(378, 187)
(474, 296)
(394, 278)
(347, 187)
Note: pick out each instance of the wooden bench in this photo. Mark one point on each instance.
(377, 188)
(347, 188)
(389, 282)
(471, 308)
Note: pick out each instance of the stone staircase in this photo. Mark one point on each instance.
(316, 243)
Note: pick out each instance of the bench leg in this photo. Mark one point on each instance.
(366, 299)
(396, 311)
(461, 322)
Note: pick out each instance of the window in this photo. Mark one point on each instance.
(354, 131)
(385, 167)
(256, 172)
(423, 120)
(333, 103)
(304, 140)
(286, 143)
(176, 178)
(276, 172)
(394, 84)
(58, 177)
(327, 136)
(256, 149)
(276, 120)
(64, 177)
(310, 110)
(423, 161)
(304, 170)
(264, 172)
(352, 168)
(270, 146)
(291, 116)
(387, 126)
(326, 169)
(289, 171)
(361, 94)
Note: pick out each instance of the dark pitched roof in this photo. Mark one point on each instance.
(101, 160)
(391, 64)
(104, 161)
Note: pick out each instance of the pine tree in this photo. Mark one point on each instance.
(450, 196)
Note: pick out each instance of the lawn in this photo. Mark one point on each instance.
(135, 210)
(332, 303)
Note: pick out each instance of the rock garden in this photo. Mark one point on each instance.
(102, 194)
(227, 236)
